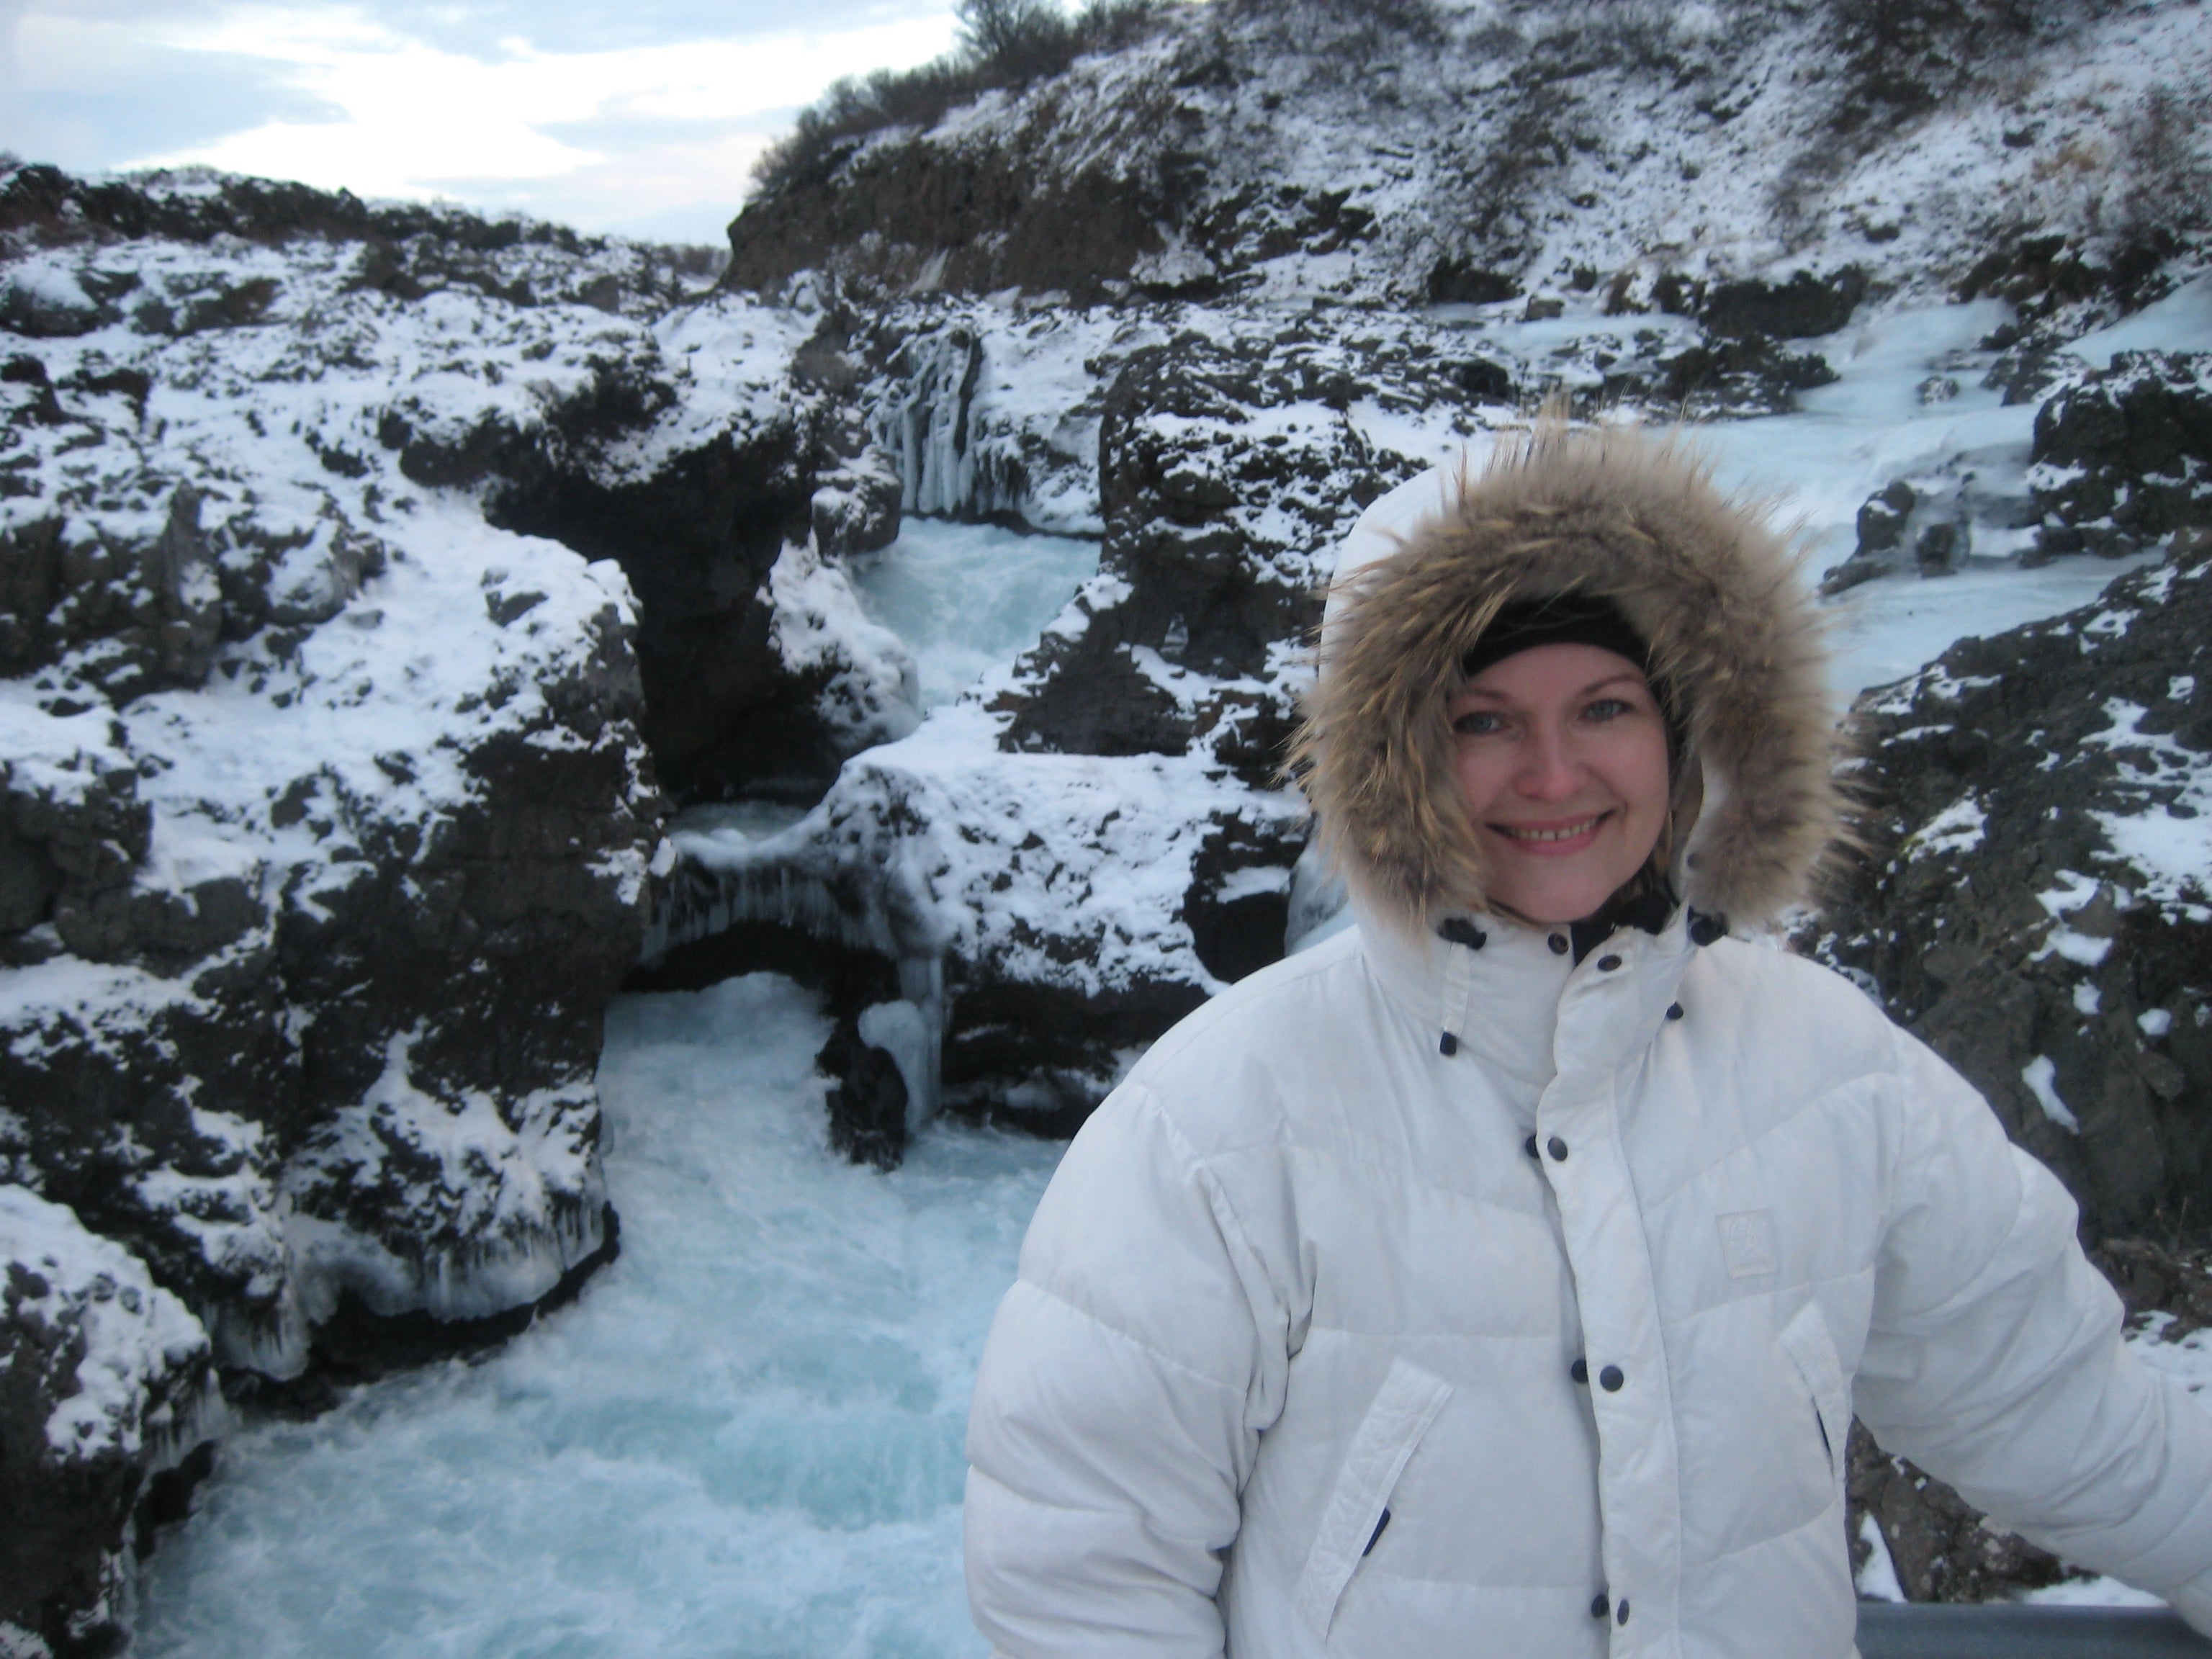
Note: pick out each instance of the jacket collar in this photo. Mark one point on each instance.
(1521, 1005)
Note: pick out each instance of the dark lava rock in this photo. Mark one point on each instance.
(1941, 1547)
(1238, 909)
(1939, 546)
(1882, 516)
(141, 612)
(1035, 919)
(972, 221)
(2034, 906)
(698, 539)
(324, 1042)
(406, 251)
(1738, 376)
(307, 918)
(2041, 274)
(1881, 525)
(48, 306)
(1453, 283)
(867, 1098)
(2162, 1283)
(2122, 455)
(1804, 306)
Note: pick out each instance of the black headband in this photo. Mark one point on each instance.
(1556, 619)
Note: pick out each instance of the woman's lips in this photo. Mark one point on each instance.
(1555, 838)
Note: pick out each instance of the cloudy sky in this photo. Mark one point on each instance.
(640, 116)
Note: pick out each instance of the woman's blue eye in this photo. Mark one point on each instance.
(1607, 708)
(1476, 723)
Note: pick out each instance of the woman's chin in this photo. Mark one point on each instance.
(1552, 891)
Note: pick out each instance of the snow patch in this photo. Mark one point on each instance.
(1877, 1580)
(2041, 1076)
(1956, 829)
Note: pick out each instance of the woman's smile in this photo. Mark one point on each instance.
(1551, 840)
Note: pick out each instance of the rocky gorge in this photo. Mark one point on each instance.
(386, 593)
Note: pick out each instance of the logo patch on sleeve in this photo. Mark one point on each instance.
(1748, 1243)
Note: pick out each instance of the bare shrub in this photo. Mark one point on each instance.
(1340, 38)
(1002, 44)
(2168, 178)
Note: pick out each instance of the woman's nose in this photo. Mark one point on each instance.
(1549, 770)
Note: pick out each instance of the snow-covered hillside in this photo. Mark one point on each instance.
(1652, 152)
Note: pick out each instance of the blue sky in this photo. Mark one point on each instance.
(640, 116)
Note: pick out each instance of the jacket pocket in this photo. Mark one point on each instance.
(1805, 1339)
(1403, 1408)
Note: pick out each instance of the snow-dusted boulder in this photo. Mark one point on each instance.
(106, 1379)
(307, 961)
(730, 480)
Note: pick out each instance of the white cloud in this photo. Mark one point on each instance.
(634, 136)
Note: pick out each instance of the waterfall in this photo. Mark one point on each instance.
(954, 460)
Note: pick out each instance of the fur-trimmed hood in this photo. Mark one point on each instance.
(1715, 593)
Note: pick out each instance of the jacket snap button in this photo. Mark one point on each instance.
(1673, 1010)
(1611, 1378)
(1556, 1148)
(1558, 944)
(1579, 1371)
(1607, 964)
(1622, 1616)
(1529, 1148)
(1600, 1607)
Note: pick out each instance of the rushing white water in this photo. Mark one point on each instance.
(745, 1438)
(965, 598)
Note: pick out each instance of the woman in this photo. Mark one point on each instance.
(1500, 1277)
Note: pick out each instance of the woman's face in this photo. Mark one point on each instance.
(1561, 752)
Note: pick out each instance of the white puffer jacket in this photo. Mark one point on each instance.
(1428, 1294)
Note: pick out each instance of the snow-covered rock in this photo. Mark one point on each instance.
(106, 1379)
(2037, 899)
(2123, 453)
(326, 816)
(1046, 915)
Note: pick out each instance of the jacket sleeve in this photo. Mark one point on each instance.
(1994, 1358)
(1118, 1402)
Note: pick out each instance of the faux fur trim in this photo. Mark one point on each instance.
(1733, 633)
